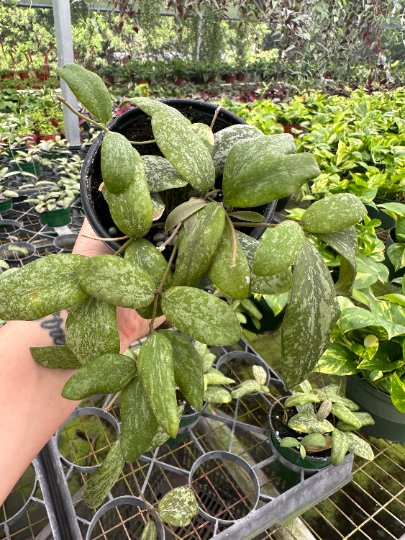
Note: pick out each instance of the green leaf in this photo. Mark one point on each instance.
(343, 413)
(360, 447)
(188, 368)
(260, 375)
(102, 481)
(55, 357)
(201, 315)
(314, 439)
(324, 410)
(308, 423)
(306, 386)
(116, 281)
(226, 138)
(246, 387)
(325, 394)
(106, 374)
(149, 532)
(255, 176)
(355, 318)
(400, 229)
(394, 207)
(215, 377)
(345, 243)
(117, 149)
(189, 223)
(145, 255)
(139, 424)
(197, 249)
(152, 106)
(396, 254)
(183, 211)
(42, 287)
(184, 149)
(88, 88)
(395, 298)
(340, 446)
(303, 452)
(398, 392)
(312, 312)
(155, 368)
(217, 394)
(91, 329)
(364, 417)
(232, 280)
(279, 250)
(301, 398)
(205, 133)
(178, 507)
(337, 360)
(158, 206)
(208, 359)
(160, 437)
(251, 308)
(161, 175)
(289, 442)
(334, 213)
(248, 216)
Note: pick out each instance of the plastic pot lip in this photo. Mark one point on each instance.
(294, 450)
(373, 390)
(195, 413)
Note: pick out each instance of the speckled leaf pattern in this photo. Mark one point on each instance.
(89, 89)
(334, 213)
(217, 394)
(201, 315)
(158, 206)
(149, 532)
(311, 314)
(116, 149)
(360, 447)
(365, 418)
(279, 250)
(116, 281)
(147, 312)
(324, 410)
(152, 106)
(225, 140)
(160, 437)
(185, 150)
(260, 374)
(189, 223)
(335, 398)
(188, 368)
(277, 284)
(183, 211)
(214, 377)
(314, 439)
(301, 398)
(139, 424)
(343, 413)
(91, 329)
(178, 507)
(56, 357)
(245, 388)
(205, 133)
(132, 209)
(197, 249)
(106, 374)
(398, 392)
(308, 423)
(340, 446)
(145, 255)
(160, 174)
(42, 287)
(156, 370)
(234, 282)
(102, 481)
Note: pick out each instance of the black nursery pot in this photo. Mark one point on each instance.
(269, 323)
(392, 239)
(136, 125)
(387, 222)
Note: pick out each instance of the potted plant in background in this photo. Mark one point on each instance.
(6, 196)
(28, 162)
(57, 148)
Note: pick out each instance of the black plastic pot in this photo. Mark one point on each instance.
(96, 208)
(387, 222)
(270, 322)
(389, 421)
(392, 239)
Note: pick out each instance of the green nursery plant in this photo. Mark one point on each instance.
(59, 195)
(257, 169)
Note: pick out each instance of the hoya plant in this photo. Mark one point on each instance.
(6, 193)
(58, 195)
(324, 420)
(256, 169)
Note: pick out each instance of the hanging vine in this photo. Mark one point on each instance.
(149, 14)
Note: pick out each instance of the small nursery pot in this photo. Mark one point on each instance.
(42, 75)
(240, 76)
(289, 127)
(33, 168)
(391, 239)
(12, 256)
(55, 218)
(5, 204)
(389, 421)
(269, 323)
(387, 222)
(23, 75)
(230, 79)
(65, 241)
(179, 81)
(292, 454)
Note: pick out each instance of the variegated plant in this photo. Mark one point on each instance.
(328, 419)
(256, 169)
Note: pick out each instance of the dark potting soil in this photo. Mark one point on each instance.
(277, 414)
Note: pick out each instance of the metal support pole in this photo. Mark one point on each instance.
(64, 43)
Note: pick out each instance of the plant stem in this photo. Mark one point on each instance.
(127, 244)
(213, 191)
(143, 142)
(215, 116)
(234, 241)
(117, 395)
(159, 290)
(162, 247)
(247, 224)
(102, 126)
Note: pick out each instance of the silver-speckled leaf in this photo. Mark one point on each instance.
(152, 106)
(246, 387)
(144, 254)
(139, 424)
(178, 507)
(225, 140)
(117, 149)
(201, 315)
(42, 287)
(215, 377)
(55, 357)
(340, 445)
(260, 375)
(106, 374)
(335, 398)
(160, 437)
(91, 329)
(149, 532)
(324, 410)
(364, 417)
(343, 413)
(301, 398)
(156, 370)
(279, 250)
(217, 394)
(158, 206)
(183, 211)
(334, 213)
(314, 439)
(233, 281)
(208, 360)
(277, 284)
(160, 174)
(360, 447)
(185, 150)
(205, 133)
(116, 281)
(308, 423)
(311, 314)
(188, 368)
(102, 481)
